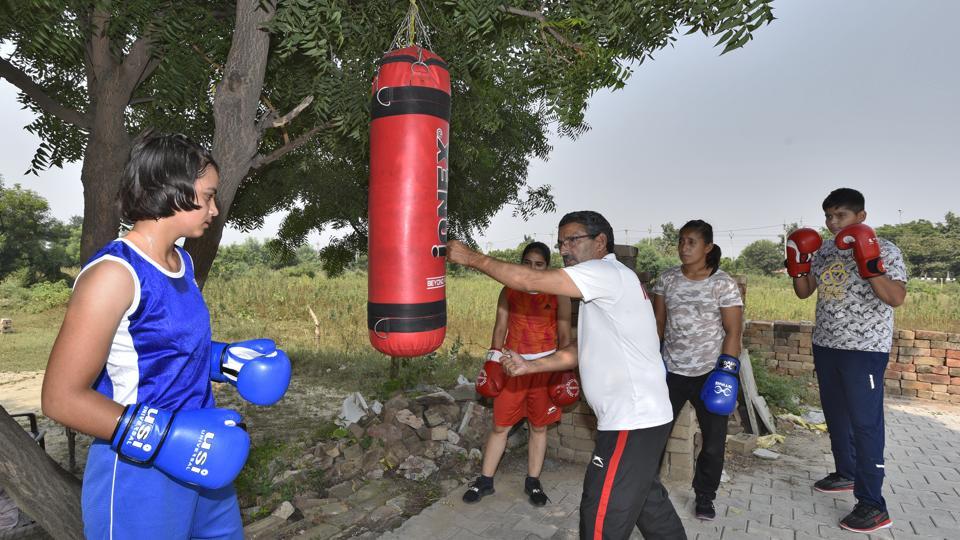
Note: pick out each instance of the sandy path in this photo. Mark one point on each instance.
(20, 392)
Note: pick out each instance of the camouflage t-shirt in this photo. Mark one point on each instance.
(693, 333)
(849, 314)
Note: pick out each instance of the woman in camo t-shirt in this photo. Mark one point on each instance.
(699, 316)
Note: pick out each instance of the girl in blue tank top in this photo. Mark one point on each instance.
(131, 365)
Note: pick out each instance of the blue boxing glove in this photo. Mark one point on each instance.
(203, 447)
(719, 392)
(259, 370)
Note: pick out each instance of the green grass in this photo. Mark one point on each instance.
(275, 304)
(28, 347)
(929, 306)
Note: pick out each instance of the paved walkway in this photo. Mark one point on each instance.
(766, 499)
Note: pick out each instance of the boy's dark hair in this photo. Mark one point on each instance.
(593, 222)
(540, 248)
(159, 176)
(705, 230)
(848, 198)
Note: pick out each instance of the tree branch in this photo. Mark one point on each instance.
(140, 101)
(21, 80)
(99, 44)
(271, 120)
(260, 160)
(139, 63)
(539, 16)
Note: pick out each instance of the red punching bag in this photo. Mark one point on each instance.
(409, 139)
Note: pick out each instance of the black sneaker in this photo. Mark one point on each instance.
(477, 491)
(704, 509)
(534, 490)
(832, 483)
(866, 519)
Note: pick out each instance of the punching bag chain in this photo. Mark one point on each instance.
(412, 30)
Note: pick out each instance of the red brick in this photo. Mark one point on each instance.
(894, 375)
(907, 334)
(909, 392)
(927, 334)
(902, 367)
(954, 389)
(939, 353)
(928, 361)
(953, 354)
(931, 378)
(924, 394)
(954, 372)
(955, 381)
(921, 343)
(915, 385)
(939, 396)
(939, 388)
(940, 370)
(908, 376)
(924, 369)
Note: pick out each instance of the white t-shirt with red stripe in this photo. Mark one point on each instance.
(621, 370)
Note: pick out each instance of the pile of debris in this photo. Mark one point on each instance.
(370, 476)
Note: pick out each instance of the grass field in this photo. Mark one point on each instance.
(275, 304)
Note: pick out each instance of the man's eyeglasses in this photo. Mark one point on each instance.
(570, 240)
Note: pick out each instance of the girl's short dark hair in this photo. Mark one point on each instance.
(705, 230)
(540, 248)
(159, 177)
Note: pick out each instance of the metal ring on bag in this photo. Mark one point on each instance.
(375, 331)
(426, 68)
(380, 101)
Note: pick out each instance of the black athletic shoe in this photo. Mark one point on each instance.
(534, 490)
(866, 519)
(832, 483)
(477, 490)
(704, 509)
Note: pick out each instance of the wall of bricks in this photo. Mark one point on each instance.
(923, 364)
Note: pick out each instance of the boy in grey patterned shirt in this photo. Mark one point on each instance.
(860, 279)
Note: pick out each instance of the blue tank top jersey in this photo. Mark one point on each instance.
(160, 353)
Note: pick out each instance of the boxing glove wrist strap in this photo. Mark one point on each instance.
(141, 432)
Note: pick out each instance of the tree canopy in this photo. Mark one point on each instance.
(286, 112)
(929, 249)
(32, 242)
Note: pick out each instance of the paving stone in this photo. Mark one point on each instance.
(773, 500)
(758, 530)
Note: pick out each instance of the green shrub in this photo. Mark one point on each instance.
(784, 391)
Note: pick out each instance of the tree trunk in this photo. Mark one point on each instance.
(236, 137)
(37, 484)
(103, 161)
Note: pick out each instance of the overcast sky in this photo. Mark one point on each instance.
(862, 94)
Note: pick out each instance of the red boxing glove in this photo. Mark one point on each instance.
(866, 249)
(564, 388)
(491, 379)
(801, 245)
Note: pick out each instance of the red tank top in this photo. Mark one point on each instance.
(532, 322)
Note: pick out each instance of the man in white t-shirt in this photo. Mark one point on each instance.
(621, 370)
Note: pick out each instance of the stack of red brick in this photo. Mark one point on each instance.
(923, 364)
